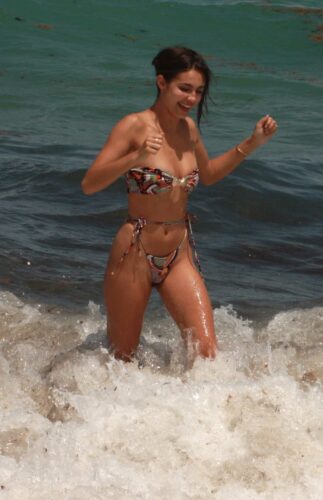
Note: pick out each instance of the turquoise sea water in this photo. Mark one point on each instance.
(69, 70)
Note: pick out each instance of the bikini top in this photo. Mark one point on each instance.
(147, 180)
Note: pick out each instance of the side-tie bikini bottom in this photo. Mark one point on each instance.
(160, 266)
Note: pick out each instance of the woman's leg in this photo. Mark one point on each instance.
(186, 298)
(127, 287)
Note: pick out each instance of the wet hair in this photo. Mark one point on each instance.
(173, 60)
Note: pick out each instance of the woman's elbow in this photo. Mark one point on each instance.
(206, 175)
(86, 186)
(206, 180)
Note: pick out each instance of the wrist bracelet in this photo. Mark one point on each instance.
(239, 150)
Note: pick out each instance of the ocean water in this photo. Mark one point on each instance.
(76, 424)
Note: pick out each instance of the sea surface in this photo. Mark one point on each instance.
(76, 424)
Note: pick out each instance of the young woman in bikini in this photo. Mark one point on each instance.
(161, 154)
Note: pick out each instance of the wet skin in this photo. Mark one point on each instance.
(163, 137)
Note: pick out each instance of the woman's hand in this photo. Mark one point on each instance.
(265, 128)
(150, 146)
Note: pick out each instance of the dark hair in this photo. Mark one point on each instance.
(173, 60)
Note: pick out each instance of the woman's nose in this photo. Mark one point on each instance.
(192, 97)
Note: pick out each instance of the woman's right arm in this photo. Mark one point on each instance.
(125, 148)
(117, 156)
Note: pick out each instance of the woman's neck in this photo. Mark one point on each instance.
(164, 120)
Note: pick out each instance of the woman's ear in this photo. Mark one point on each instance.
(161, 82)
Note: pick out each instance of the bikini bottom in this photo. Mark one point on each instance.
(160, 265)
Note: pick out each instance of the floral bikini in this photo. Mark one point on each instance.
(145, 181)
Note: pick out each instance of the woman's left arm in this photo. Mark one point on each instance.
(213, 170)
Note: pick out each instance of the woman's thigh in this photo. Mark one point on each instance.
(185, 296)
(127, 287)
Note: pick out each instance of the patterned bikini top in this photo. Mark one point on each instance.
(147, 180)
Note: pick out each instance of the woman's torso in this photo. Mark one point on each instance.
(176, 158)
(177, 162)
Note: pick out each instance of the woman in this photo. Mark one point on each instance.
(161, 154)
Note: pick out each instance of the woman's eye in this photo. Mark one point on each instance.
(188, 90)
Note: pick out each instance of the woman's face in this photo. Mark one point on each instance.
(183, 92)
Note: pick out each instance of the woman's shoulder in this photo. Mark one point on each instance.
(190, 123)
(192, 128)
(134, 122)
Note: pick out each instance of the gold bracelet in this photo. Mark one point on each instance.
(241, 151)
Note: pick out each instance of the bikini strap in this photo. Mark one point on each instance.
(145, 222)
(189, 219)
(141, 222)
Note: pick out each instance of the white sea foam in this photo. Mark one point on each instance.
(76, 424)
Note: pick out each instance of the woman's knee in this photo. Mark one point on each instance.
(207, 349)
(123, 347)
(123, 356)
(204, 344)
